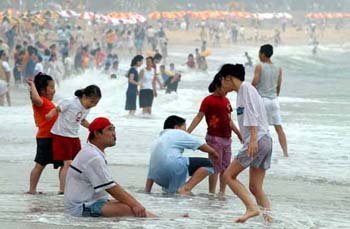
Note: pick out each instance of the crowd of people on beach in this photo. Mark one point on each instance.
(44, 56)
(85, 180)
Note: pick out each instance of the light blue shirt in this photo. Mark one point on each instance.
(168, 167)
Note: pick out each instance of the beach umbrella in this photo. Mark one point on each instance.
(154, 15)
(339, 15)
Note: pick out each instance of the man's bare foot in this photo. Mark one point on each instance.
(248, 214)
(183, 191)
(34, 193)
(150, 215)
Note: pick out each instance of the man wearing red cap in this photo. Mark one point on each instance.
(88, 180)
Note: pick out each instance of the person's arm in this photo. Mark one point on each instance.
(149, 184)
(257, 74)
(279, 82)
(174, 78)
(34, 95)
(236, 130)
(131, 79)
(52, 113)
(195, 122)
(253, 143)
(124, 197)
(85, 123)
(159, 82)
(141, 75)
(8, 77)
(154, 85)
(206, 148)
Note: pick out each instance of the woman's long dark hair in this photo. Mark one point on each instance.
(136, 59)
(234, 70)
(89, 91)
(215, 83)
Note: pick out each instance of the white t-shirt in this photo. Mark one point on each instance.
(250, 112)
(147, 78)
(6, 66)
(70, 117)
(38, 68)
(151, 32)
(87, 179)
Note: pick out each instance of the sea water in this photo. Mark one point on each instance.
(310, 189)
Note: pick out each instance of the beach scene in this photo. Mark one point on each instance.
(82, 43)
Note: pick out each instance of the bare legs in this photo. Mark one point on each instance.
(197, 177)
(62, 175)
(34, 178)
(114, 208)
(238, 188)
(256, 179)
(147, 110)
(282, 139)
(213, 181)
(35, 175)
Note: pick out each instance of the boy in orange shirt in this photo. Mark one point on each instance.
(42, 90)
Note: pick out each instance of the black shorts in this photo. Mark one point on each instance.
(146, 98)
(130, 100)
(109, 46)
(198, 162)
(44, 153)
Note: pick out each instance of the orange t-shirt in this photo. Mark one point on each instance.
(25, 59)
(44, 126)
(111, 37)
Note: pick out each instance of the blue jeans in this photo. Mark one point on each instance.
(95, 209)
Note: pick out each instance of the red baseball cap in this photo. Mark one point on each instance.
(98, 124)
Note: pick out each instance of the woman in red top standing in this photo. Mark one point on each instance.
(217, 111)
(42, 91)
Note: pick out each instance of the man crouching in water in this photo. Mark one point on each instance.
(88, 180)
(169, 168)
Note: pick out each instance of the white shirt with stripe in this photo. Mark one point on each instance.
(86, 181)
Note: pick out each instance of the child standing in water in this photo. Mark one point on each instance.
(72, 114)
(42, 91)
(190, 61)
(217, 111)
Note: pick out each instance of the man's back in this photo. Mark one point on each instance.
(267, 85)
(168, 167)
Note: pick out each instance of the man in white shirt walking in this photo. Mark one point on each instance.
(88, 180)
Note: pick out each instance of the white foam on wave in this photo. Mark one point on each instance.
(283, 99)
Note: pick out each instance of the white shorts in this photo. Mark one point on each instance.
(273, 113)
(3, 87)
